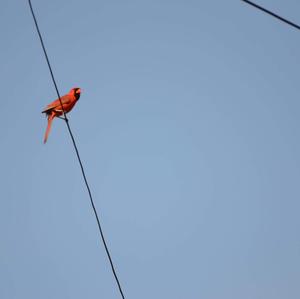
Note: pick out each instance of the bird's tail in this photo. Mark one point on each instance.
(50, 119)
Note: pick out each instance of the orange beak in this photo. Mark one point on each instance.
(78, 90)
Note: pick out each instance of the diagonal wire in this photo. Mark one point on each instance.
(272, 14)
(77, 154)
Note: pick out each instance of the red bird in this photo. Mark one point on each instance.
(54, 109)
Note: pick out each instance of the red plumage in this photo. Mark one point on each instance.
(54, 109)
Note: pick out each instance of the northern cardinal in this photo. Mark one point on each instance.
(54, 109)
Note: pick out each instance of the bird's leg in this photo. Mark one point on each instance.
(63, 118)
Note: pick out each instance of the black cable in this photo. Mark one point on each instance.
(272, 14)
(78, 156)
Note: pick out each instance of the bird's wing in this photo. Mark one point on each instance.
(56, 104)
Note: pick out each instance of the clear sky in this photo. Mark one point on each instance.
(188, 127)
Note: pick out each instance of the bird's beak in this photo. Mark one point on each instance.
(78, 90)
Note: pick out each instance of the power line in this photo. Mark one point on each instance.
(272, 14)
(77, 153)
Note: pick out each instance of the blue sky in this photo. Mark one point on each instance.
(188, 127)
